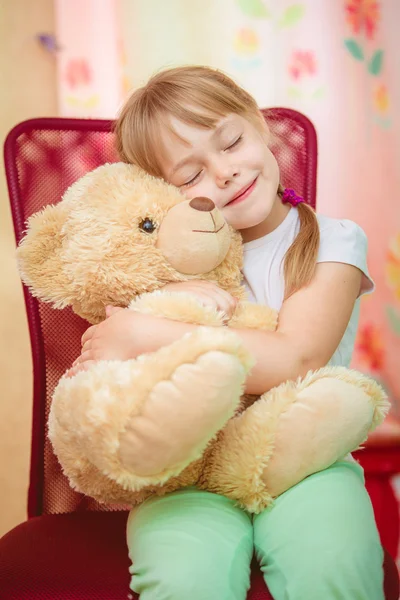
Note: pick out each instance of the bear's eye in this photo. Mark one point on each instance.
(147, 225)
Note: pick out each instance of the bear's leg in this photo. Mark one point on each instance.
(143, 421)
(292, 431)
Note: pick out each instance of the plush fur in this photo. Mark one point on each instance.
(123, 431)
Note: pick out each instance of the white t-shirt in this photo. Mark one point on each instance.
(340, 241)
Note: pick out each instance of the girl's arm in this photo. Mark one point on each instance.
(311, 324)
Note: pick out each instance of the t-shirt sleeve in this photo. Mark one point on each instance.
(344, 241)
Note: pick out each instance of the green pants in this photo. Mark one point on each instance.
(318, 542)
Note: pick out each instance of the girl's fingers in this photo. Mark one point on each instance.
(111, 310)
(225, 302)
(206, 299)
(84, 357)
(209, 294)
(78, 368)
(88, 334)
(87, 345)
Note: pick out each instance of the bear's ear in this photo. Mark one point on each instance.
(39, 255)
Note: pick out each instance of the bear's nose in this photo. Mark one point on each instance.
(203, 204)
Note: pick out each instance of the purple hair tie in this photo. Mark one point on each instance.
(289, 196)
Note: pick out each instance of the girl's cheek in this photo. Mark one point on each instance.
(203, 188)
(193, 192)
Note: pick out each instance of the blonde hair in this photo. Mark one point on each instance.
(201, 96)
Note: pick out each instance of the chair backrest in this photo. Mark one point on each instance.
(43, 157)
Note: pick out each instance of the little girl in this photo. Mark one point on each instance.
(199, 131)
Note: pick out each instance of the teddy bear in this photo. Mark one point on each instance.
(126, 430)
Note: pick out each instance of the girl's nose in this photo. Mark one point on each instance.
(226, 176)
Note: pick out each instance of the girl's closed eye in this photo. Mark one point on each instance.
(235, 143)
(192, 180)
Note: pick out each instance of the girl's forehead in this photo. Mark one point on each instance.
(186, 134)
(181, 133)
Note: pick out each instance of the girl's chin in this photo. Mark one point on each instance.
(253, 220)
(246, 227)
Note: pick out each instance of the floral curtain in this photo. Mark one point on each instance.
(88, 58)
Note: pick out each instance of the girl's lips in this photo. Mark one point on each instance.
(243, 195)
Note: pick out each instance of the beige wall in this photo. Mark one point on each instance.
(28, 89)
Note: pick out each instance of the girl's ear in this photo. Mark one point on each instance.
(39, 255)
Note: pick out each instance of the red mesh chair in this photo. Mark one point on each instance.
(71, 547)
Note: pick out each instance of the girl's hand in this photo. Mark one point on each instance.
(208, 293)
(113, 339)
(118, 337)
